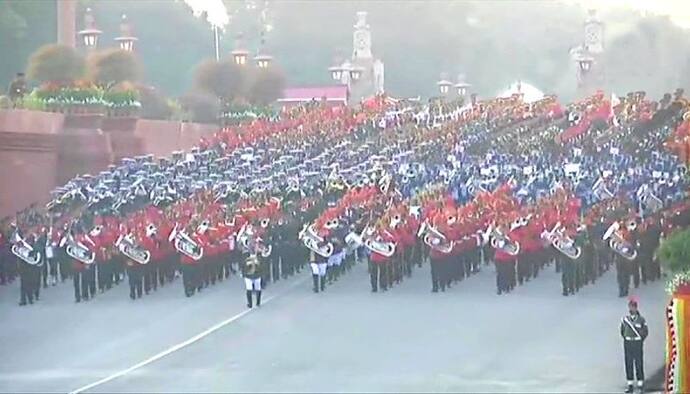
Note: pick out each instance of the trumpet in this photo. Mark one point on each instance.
(503, 242)
(618, 243)
(129, 248)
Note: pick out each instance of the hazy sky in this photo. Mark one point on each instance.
(677, 10)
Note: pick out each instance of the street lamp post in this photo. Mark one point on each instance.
(90, 33)
(356, 72)
(336, 73)
(444, 86)
(126, 40)
(240, 55)
(585, 63)
(345, 73)
(263, 61)
(462, 88)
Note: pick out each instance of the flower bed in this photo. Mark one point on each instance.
(122, 103)
(83, 99)
(234, 115)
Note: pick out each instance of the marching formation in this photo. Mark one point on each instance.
(520, 185)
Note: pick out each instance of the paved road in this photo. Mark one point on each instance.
(347, 339)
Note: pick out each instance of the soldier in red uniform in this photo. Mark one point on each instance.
(101, 236)
(191, 269)
(505, 263)
(380, 264)
(152, 242)
(169, 258)
(440, 253)
(82, 273)
(135, 271)
(408, 241)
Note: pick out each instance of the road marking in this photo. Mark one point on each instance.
(183, 344)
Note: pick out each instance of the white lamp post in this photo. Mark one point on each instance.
(336, 73)
(462, 88)
(90, 33)
(444, 86)
(240, 55)
(356, 73)
(263, 61)
(585, 63)
(126, 40)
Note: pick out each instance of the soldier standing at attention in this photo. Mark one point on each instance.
(634, 331)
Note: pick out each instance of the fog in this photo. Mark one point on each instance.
(492, 42)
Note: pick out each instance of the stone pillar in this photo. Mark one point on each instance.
(67, 22)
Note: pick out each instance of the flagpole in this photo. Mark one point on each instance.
(216, 42)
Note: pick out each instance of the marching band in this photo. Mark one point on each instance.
(501, 181)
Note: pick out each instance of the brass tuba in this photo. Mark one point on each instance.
(562, 242)
(312, 241)
(618, 243)
(24, 251)
(503, 242)
(186, 245)
(383, 248)
(435, 239)
(128, 247)
(80, 252)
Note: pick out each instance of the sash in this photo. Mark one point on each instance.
(627, 321)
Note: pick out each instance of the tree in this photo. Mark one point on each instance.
(202, 106)
(55, 63)
(267, 86)
(153, 104)
(223, 79)
(113, 66)
(674, 252)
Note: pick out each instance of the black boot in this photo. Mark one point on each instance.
(315, 279)
(323, 283)
(249, 298)
(258, 298)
